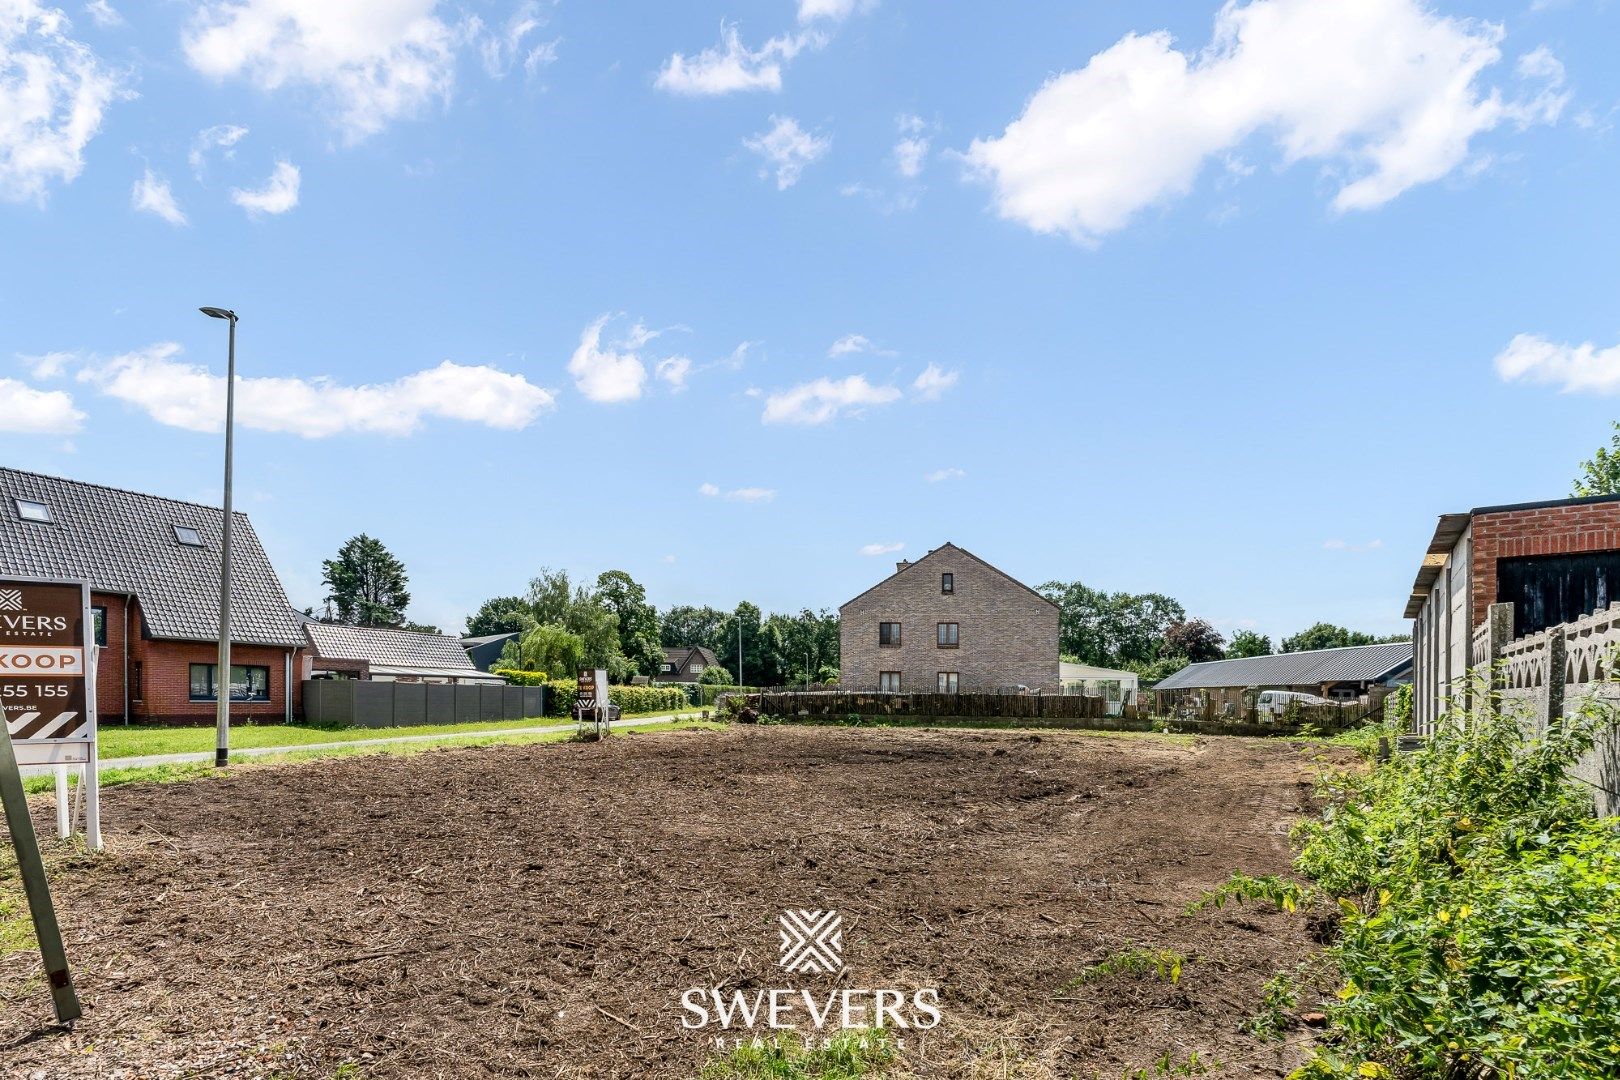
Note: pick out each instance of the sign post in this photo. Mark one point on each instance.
(47, 697)
(591, 700)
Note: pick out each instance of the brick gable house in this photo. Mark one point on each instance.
(685, 663)
(153, 569)
(948, 622)
(1553, 561)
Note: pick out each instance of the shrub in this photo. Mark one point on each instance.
(560, 695)
(848, 1055)
(521, 678)
(1480, 901)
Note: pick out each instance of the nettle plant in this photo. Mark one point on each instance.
(1480, 900)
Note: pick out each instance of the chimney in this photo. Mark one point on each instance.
(901, 565)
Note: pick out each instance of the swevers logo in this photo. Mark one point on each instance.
(11, 600)
(811, 943)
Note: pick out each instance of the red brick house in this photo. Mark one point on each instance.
(153, 569)
(1553, 561)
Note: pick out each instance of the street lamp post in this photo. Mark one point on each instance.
(222, 673)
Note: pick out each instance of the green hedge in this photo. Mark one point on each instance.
(521, 678)
(560, 695)
(704, 694)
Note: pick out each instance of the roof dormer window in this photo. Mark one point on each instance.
(188, 536)
(30, 510)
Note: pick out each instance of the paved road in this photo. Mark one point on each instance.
(260, 751)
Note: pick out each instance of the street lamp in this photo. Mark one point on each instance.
(222, 673)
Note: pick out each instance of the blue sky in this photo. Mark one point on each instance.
(1224, 303)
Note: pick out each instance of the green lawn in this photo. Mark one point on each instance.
(118, 741)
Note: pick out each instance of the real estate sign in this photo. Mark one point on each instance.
(45, 657)
(48, 686)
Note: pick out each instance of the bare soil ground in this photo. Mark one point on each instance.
(539, 911)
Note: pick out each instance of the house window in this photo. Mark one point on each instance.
(98, 615)
(889, 635)
(136, 682)
(29, 510)
(188, 536)
(947, 682)
(669, 669)
(948, 632)
(947, 583)
(696, 669)
(247, 683)
(889, 682)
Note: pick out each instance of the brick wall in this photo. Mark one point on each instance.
(1008, 635)
(1553, 530)
(164, 686)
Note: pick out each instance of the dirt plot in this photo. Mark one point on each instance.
(539, 911)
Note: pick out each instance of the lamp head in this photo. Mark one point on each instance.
(218, 313)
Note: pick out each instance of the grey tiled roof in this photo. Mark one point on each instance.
(124, 542)
(397, 650)
(1356, 663)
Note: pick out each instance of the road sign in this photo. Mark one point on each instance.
(48, 685)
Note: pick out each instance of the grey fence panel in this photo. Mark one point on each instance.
(467, 706)
(441, 703)
(410, 704)
(363, 703)
(373, 704)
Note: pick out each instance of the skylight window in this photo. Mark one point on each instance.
(188, 536)
(29, 510)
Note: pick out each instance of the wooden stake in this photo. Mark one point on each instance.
(35, 885)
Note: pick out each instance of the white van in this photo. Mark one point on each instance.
(1271, 703)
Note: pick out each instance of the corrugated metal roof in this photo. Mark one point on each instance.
(124, 542)
(393, 651)
(1355, 663)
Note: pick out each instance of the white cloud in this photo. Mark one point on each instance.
(832, 10)
(856, 343)
(1574, 369)
(53, 92)
(667, 559)
(278, 195)
(742, 494)
(372, 62)
(609, 373)
(824, 399)
(674, 370)
(152, 195)
(787, 148)
(103, 14)
(501, 48)
(939, 475)
(1344, 545)
(731, 66)
(881, 549)
(933, 382)
(189, 396)
(912, 149)
(1383, 94)
(222, 137)
(47, 365)
(28, 411)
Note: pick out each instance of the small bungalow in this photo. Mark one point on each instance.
(684, 663)
(1344, 674)
(380, 654)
